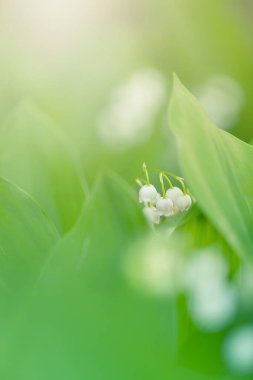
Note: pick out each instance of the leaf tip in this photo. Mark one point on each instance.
(174, 76)
(176, 81)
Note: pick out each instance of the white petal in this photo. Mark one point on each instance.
(164, 207)
(151, 215)
(184, 202)
(147, 194)
(174, 193)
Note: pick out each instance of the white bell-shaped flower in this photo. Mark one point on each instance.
(184, 202)
(148, 194)
(151, 214)
(164, 206)
(174, 193)
(157, 198)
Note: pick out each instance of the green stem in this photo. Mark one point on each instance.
(183, 185)
(144, 167)
(138, 181)
(162, 185)
(173, 175)
(180, 179)
(168, 180)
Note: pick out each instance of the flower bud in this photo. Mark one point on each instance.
(164, 207)
(184, 202)
(147, 194)
(151, 215)
(174, 193)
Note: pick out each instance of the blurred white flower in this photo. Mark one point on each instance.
(222, 97)
(128, 118)
(213, 306)
(212, 299)
(152, 267)
(151, 214)
(206, 263)
(238, 350)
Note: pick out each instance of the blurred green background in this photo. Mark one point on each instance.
(68, 57)
(89, 291)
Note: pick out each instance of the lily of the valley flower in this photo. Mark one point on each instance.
(174, 193)
(147, 194)
(184, 202)
(164, 207)
(172, 202)
(151, 214)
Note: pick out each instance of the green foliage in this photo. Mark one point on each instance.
(88, 321)
(218, 169)
(68, 310)
(67, 299)
(35, 155)
(26, 236)
(71, 293)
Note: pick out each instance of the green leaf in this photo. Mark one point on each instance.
(218, 168)
(26, 236)
(88, 321)
(35, 155)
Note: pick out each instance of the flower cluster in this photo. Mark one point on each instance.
(172, 202)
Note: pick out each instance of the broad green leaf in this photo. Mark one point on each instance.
(26, 236)
(88, 321)
(218, 168)
(35, 155)
(112, 216)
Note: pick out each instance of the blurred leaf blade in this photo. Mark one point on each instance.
(35, 155)
(26, 237)
(82, 300)
(217, 167)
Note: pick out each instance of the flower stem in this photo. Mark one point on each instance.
(182, 184)
(162, 185)
(173, 175)
(138, 181)
(144, 167)
(168, 180)
(180, 179)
